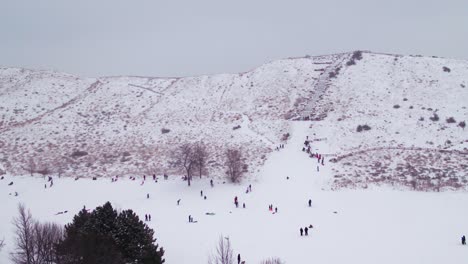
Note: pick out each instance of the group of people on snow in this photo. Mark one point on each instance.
(279, 147)
(305, 231)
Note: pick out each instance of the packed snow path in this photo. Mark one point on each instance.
(323, 82)
(354, 226)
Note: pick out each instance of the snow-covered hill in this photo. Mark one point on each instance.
(378, 225)
(415, 109)
(114, 125)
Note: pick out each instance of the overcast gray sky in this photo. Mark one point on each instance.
(185, 38)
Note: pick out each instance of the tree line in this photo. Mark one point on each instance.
(191, 158)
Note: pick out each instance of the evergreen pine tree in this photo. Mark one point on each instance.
(107, 237)
(135, 239)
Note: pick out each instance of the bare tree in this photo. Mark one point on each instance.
(234, 164)
(223, 253)
(35, 242)
(30, 166)
(2, 244)
(24, 225)
(43, 170)
(272, 261)
(47, 235)
(183, 157)
(200, 156)
(60, 165)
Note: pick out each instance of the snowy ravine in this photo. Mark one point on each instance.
(377, 225)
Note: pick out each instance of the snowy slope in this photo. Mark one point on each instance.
(396, 96)
(369, 226)
(109, 116)
(117, 121)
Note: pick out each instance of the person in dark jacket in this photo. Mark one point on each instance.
(310, 203)
(238, 258)
(302, 231)
(463, 240)
(306, 231)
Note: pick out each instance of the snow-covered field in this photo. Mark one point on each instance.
(376, 225)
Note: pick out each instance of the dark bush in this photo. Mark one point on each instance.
(450, 120)
(362, 128)
(350, 62)
(462, 124)
(446, 69)
(236, 127)
(357, 55)
(78, 154)
(434, 118)
(396, 106)
(165, 130)
(335, 73)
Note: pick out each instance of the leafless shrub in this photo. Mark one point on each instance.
(446, 69)
(234, 164)
(223, 253)
(272, 261)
